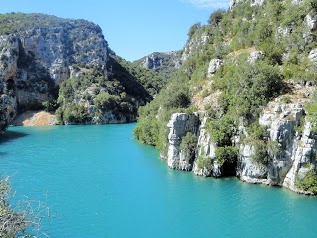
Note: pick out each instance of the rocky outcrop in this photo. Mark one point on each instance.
(255, 55)
(34, 61)
(163, 63)
(8, 69)
(214, 65)
(289, 155)
(205, 164)
(194, 44)
(8, 110)
(46, 54)
(152, 61)
(311, 21)
(179, 125)
(280, 121)
(303, 160)
(313, 56)
(41, 51)
(293, 153)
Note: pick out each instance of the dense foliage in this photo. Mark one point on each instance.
(151, 128)
(151, 80)
(309, 182)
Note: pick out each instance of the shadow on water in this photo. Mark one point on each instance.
(10, 136)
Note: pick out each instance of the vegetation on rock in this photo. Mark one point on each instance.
(278, 31)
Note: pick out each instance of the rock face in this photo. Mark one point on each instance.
(46, 54)
(195, 43)
(255, 55)
(280, 123)
(158, 60)
(311, 21)
(295, 156)
(34, 61)
(8, 71)
(164, 63)
(313, 56)
(205, 164)
(291, 154)
(213, 66)
(179, 125)
(152, 61)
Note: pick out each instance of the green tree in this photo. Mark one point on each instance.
(193, 29)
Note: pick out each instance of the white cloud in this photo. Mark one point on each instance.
(215, 4)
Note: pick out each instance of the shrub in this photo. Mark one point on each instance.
(204, 162)
(106, 102)
(222, 130)
(309, 182)
(226, 154)
(193, 29)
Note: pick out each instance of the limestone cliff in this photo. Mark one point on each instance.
(38, 53)
(165, 64)
(34, 59)
(286, 127)
(179, 125)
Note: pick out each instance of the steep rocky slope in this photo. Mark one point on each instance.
(247, 104)
(39, 52)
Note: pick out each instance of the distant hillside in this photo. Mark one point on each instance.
(163, 63)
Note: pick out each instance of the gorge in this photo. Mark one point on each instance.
(238, 103)
(238, 100)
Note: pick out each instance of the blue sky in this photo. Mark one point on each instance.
(133, 28)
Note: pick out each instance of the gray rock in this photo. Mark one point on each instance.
(206, 150)
(179, 125)
(255, 55)
(313, 56)
(311, 21)
(152, 61)
(195, 44)
(34, 60)
(213, 66)
(294, 153)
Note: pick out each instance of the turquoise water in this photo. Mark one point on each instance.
(101, 183)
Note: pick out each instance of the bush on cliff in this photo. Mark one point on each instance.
(309, 182)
